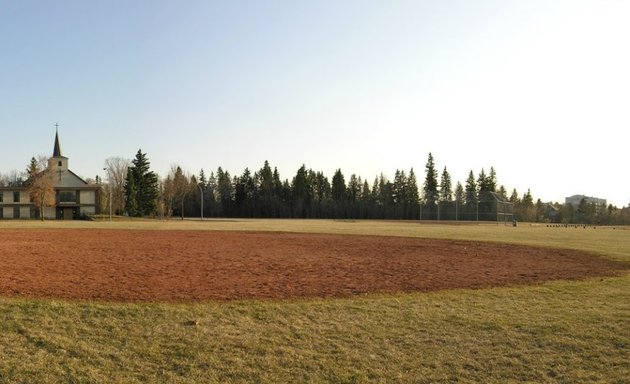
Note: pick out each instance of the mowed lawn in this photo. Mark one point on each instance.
(573, 332)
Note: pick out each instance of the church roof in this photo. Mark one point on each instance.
(57, 149)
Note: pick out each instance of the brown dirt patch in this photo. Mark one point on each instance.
(118, 265)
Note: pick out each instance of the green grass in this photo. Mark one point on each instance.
(567, 332)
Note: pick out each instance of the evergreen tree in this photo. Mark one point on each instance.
(32, 170)
(399, 194)
(225, 193)
(459, 200)
(412, 196)
(385, 189)
(459, 193)
(354, 194)
(338, 187)
(244, 194)
(202, 178)
(366, 201)
(131, 194)
(141, 187)
(354, 188)
(430, 182)
(265, 186)
(375, 195)
(399, 188)
(299, 192)
(446, 187)
(482, 184)
(471, 189)
(338, 193)
(321, 196)
(491, 180)
(470, 196)
(282, 194)
(209, 196)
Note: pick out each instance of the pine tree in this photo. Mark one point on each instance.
(141, 187)
(299, 193)
(338, 187)
(459, 199)
(32, 170)
(491, 181)
(412, 196)
(430, 182)
(471, 191)
(446, 187)
(225, 193)
(131, 194)
(266, 190)
(338, 194)
(459, 193)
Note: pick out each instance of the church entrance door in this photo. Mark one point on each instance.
(68, 214)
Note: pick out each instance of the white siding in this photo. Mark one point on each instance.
(25, 212)
(24, 199)
(49, 213)
(87, 197)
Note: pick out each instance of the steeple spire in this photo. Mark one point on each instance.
(57, 149)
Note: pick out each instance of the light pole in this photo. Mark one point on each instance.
(438, 207)
(109, 186)
(201, 190)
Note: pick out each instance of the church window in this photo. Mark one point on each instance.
(67, 197)
(16, 197)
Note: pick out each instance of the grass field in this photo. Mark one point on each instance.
(573, 332)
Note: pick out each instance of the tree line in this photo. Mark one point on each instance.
(133, 189)
(263, 193)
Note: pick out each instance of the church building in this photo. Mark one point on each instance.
(74, 198)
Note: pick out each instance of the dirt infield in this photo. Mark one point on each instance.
(119, 265)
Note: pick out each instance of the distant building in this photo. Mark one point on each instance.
(74, 197)
(575, 200)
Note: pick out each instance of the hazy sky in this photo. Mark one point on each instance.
(539, 90)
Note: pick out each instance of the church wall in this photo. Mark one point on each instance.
(66, 184)
(24, 199)
(87, 197)
(25, 212)
(50, 213)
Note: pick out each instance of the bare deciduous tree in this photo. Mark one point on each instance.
(40, 184)
(182, 186)
(116, 168)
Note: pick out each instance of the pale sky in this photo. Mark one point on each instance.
(539, 90)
